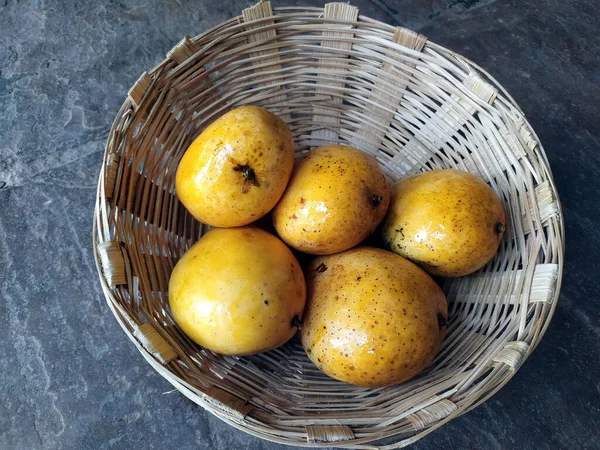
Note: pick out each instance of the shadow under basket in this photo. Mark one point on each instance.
(335, 77)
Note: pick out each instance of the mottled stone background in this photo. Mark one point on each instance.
(70, 379)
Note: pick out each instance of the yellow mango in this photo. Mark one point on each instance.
(448, 221)
(336, 197)
(238, 291)
(237, 169)
(372, 318)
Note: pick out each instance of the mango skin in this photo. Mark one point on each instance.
(372, 317)
(237, 291)
(448, 221)
(237, 169)
(336, 197)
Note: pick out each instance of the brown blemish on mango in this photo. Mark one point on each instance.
(296, 322)
(321, 268)
(376, 200)
(499, 228)
(249, 175)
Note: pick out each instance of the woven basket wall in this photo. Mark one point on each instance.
(334, 76)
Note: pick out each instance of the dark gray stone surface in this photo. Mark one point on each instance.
(69, 378)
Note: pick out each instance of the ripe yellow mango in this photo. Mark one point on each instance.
(238, 291)
(372, 317)
(336, 197)
(448, 221)
(237, 169)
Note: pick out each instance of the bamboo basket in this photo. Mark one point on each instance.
(335, 77)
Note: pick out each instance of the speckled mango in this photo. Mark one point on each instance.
(237, 169)
(447, 221)
(372, 317)
(238, 291)
(336, 197)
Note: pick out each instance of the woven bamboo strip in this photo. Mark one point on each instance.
(344, 13)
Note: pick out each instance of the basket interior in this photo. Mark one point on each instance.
(335, 77)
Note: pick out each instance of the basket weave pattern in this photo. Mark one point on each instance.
(335, 77)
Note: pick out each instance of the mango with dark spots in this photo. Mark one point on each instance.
(448, 221)
(373, 318)
(238, 291)
(336, 197)
(237, 169)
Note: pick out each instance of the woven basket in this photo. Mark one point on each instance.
(333, 76)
